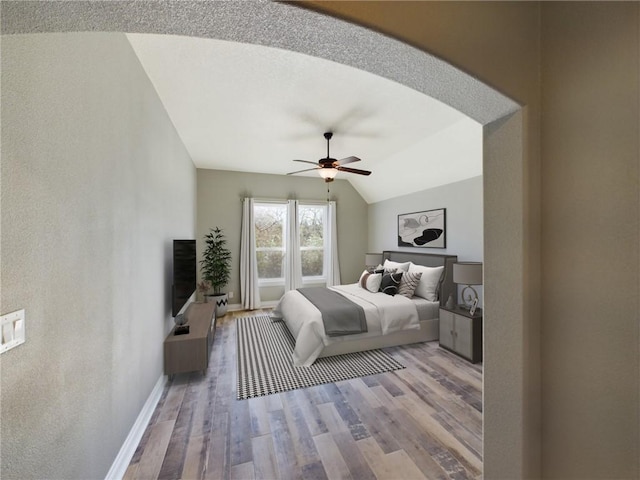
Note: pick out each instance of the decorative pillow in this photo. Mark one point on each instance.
(390, 283)
(429, 281)
(370, 281)
(389, 265)
(408, 283)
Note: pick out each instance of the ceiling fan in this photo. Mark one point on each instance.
(329, 167)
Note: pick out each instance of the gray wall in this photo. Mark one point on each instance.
(220, 195)
(95, 185)
(590, 212)
(463, 201)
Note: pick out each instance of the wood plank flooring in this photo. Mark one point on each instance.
(424, 421)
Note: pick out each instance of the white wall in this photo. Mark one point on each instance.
(464, 230)
(95, 185)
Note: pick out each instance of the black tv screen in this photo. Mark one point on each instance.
(184, 273)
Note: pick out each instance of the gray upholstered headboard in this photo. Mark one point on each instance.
(447, 286)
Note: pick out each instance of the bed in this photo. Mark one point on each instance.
(391, 320)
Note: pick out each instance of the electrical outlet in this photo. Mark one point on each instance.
(12, 331)
(230, 295)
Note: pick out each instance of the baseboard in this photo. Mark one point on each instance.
(234, 307)
(269, 304)
(121, 463)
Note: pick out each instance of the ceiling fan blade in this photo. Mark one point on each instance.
(353, 170)
(307, 161)
(344, 161)
(300, 171)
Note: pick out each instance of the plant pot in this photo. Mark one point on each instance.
(221, 300)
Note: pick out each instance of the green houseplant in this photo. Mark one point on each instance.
(216, 267)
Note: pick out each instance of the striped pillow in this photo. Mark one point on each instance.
(408, 283)
(370, 281)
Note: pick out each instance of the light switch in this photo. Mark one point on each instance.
(12, 330)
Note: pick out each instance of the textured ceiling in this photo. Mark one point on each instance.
(253, 108)
(286, 27)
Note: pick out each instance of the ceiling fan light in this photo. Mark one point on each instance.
(327, 173)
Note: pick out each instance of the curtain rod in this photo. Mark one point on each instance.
(281, 200)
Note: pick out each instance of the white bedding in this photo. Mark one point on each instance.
(384, 314)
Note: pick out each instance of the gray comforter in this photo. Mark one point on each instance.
(340, 315)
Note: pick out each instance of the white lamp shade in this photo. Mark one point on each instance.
(467, 273)
(327, 172)
(372, 259)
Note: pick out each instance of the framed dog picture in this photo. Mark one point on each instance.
(425, 229)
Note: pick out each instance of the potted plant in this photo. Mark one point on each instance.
(216, 268)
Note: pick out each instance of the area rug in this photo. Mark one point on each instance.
(265, 365)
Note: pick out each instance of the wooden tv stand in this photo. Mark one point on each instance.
(190, 352)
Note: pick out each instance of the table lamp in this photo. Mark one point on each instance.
(372, 260)
(468, 273)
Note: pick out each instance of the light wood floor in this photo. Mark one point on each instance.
(421, 422)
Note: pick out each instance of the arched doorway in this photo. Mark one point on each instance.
(270, 24)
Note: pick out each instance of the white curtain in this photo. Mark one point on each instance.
(333, 272)
(249, 290)
(292, 263)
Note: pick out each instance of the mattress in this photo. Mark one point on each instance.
(426, 309)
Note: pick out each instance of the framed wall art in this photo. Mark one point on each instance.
(425, 229)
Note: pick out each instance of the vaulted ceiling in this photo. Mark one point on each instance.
(251, 108)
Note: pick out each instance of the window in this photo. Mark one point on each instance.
(273, 252)
(270, 222)
(312, 230)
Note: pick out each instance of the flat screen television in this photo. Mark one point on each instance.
(184, 273)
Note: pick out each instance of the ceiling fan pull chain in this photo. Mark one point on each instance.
(328, 194)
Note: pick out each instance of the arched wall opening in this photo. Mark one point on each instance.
(289, 27)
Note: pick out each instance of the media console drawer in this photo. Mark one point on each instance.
(190, 352)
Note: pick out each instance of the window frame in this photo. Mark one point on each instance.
(279, 281)
(313, 279)
(286, 248)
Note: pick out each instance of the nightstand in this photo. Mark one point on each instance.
(461, 333)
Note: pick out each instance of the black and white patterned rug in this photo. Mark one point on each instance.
(265, 365)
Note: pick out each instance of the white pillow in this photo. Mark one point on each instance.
(370, 281)
(394, 266)
(429, 281)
